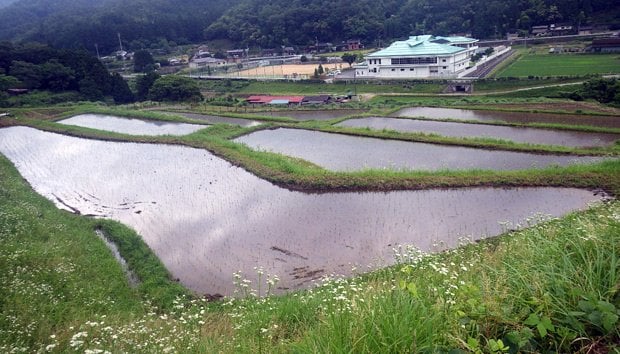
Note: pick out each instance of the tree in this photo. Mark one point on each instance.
(91, 90)
(29, 74)
(120, 90)
(144, 84)
(349, 58)
(7, 82)
(143, 61)
(320, 70)
(175, 88)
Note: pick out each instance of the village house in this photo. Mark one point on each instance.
(206, 61)
(605, 45)
(420, 57)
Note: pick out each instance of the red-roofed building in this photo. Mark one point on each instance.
(264, 99)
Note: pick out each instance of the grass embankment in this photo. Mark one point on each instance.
(337, 88)
(298, 174)
(561, 65)
(552, 287)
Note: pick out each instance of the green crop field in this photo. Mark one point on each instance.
(562, 65)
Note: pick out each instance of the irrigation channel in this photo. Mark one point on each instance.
(510, 117)
(205, 218)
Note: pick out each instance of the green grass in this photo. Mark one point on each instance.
(310, 88)
(562, 65)
(552, 287)
(499, 85)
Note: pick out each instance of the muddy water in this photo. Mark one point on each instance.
(131, 126)
(348, 153)
(313, 115)
(511, 117)
(206, 219)
(522, 135)
(218, 119)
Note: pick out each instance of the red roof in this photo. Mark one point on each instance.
(266, 99)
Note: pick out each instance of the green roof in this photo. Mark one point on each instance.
(421, 46)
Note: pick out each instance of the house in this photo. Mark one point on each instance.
(561, 29)
(354, 44)
(540, 31)
(204, 62)
(288, 51)
(235, 55)
(275, 100)
(605, 45)
(423, 56)
(320, 99)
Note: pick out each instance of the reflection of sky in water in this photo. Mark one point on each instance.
(525, 135)
(130, 125)
(514, 117)
(348, 153)
(206, 219)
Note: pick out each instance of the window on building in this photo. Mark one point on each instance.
(402, 69)
(393, 69)
(443, 60)
(444, 67)
(417, 60)
(411, 69)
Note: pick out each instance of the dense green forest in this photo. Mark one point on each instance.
(70, 74)
(256, 23)
(147, 24)
(84, 23)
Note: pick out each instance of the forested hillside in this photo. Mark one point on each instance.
(256, 23)
(84, 23)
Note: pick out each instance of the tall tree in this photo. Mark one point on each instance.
(143, 61)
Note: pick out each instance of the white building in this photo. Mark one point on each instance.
(204, 62)
(420, 57)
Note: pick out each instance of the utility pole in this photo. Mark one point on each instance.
(119, 41)
(97, 49)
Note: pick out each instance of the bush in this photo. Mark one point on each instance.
(175, 88)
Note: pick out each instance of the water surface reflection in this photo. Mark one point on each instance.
(205, 218)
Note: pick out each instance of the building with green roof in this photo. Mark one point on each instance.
(420, 57)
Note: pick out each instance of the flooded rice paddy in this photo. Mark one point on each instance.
(313, 114)
(205, 218)
(217, 119)
(510, 117)
(131, 126)
(348, 153)
(516, 134)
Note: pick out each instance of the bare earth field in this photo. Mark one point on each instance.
(293, 70)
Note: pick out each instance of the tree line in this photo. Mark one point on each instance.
(77, 75)
(257, 23)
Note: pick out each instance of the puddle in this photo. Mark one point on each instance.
(349, 153)
(217, 119)
(451, 129)
(130, 125)
(205, 218)
(510, 117)
(313, 115)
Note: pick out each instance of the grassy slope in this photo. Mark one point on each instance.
(62, 290)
